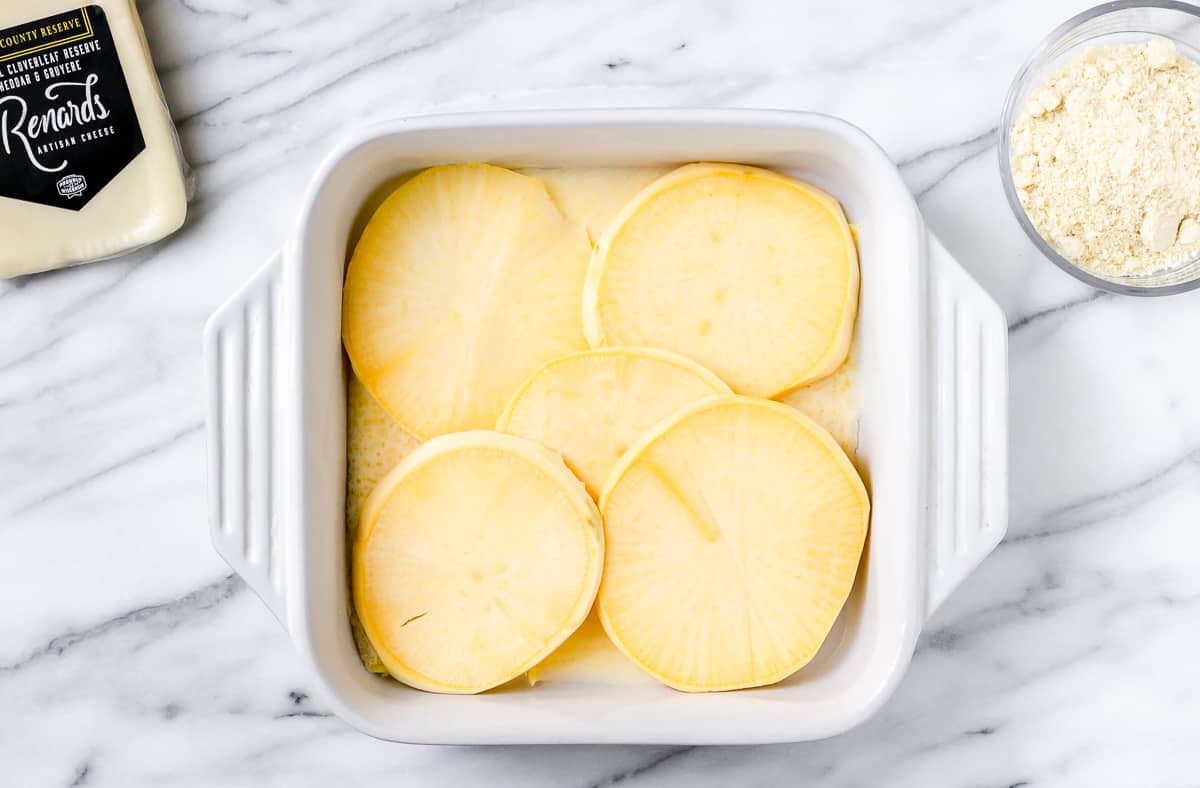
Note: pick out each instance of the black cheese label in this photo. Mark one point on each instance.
(67, 121)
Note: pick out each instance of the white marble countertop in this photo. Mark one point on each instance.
(128, 654)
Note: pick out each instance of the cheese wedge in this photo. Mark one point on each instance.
(375, 444)
(474, 559)
(753, 274)
(733, 534)
(465, 281)
(90, 164)
(591, 406)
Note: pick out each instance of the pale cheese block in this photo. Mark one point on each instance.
(146, 200)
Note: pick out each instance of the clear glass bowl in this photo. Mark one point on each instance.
(1121, 22)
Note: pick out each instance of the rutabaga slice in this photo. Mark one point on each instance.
(592, 196)
(591, 406)
(733, 532)
(753, 274)
(464, 282)
(475, 558)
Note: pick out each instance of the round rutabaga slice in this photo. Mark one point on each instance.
(753, 274)
(475, 558)
(592, 196)
(591, 406)
(465, 281)
(733, 532)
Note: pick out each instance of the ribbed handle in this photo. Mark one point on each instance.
(967, 497)
(244, 428)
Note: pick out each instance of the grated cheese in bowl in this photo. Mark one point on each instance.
(1105, 159)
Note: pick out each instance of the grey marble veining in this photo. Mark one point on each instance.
(130, 656)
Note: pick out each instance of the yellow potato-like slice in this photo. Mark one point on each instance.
(591, 406)
(475, 558)
(733, 533)
(375, 444)
(465, 281)
(592, 196)
(753, 274)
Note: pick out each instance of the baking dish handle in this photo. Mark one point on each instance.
(244, 429)
(967, 496)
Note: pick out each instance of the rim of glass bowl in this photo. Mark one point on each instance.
(1028, 71)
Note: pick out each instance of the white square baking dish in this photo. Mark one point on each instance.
(930, 379)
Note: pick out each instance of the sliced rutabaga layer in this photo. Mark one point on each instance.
(753, 274)
(733, 534)
(592, 196)
(475, 558)
(464, 282)
(375, 444)
(591, 406)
